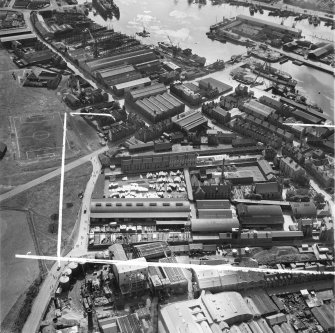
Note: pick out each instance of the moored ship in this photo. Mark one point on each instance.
(106, 8)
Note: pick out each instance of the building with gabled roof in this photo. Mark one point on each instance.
(270, 190)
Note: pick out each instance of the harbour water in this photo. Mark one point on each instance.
(185, 24)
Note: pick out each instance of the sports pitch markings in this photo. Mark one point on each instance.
(33, 138)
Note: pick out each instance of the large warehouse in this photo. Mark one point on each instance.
(205, 314)
(260, 216)
(257, 109)
(145, 92)
(269, 25)
(214, 225)
(120, 210)
(159, 107)
(130, 58)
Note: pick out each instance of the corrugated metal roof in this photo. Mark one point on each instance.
(131, 84)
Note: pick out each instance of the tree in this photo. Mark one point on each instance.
(302, 180)
(319, 200)
(53, 226)
(290, 194)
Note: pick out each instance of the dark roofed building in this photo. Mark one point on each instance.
(271, 190)
(303, 209)
(152, 250)
(260, 216)
(257, 109)
(138, 208)
(324, 314)
(210, 83)
(190, 121)
(159, 107)
(145, 92)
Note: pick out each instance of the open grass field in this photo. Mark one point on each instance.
(38, 136)
(15, 275)
(43, 200)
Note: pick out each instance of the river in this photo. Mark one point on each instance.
(186, 25)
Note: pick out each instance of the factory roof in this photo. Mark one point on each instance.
(133, 83)
(325, 316)
(303, 209)
(174, 274)
(109, 72)
(267, 23)
(213, 204)
(214, 224)
(189, 120)
(322, 50)
(273, 102)
(184, 316)
(227, 306)
(158, 104)
(129, 324)
(259, 210)
(306, 108)
(150, 250)
(153, 89)
(215, 213)
(118, 252)
(128, 267)
(259, 302)
(259, 108)
(18, 37)
(213, 83)
(271, 187)
(220, 111)
(301, 115)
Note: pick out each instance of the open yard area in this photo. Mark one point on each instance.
(34, 143)
(38, 135)
(42, 201)
(16, 275)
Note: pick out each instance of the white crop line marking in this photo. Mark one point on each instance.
(309, 125)
(61, 191)
(60, 212)
(164, 264)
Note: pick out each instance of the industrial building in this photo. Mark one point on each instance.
(186, 94)
(159, 107)
(209, 313)
(190, 121)
(158, 162)
(133, 57)
(170, 279)
(211, 188)
(269, 191)
(260, 216)
(151, 251)
(131, 278)
(122, 88)
(269, 25)
(303, 209)
(257, 109)
(138, 209)
(216, 280)
(212, 84)
(306, 108)
(214, 225)
(145, 92)
(116, 75)
(321, 52)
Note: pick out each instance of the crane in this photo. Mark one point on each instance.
(95, 49)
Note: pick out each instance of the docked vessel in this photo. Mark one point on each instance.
(106, 8)
(273, 74)
(182, 53)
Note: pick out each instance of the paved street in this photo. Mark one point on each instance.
(80, 248)
(21, 188)
(317, 188)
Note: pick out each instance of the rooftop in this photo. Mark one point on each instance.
(189, 120)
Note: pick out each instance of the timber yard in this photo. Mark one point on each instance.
(192, 142)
